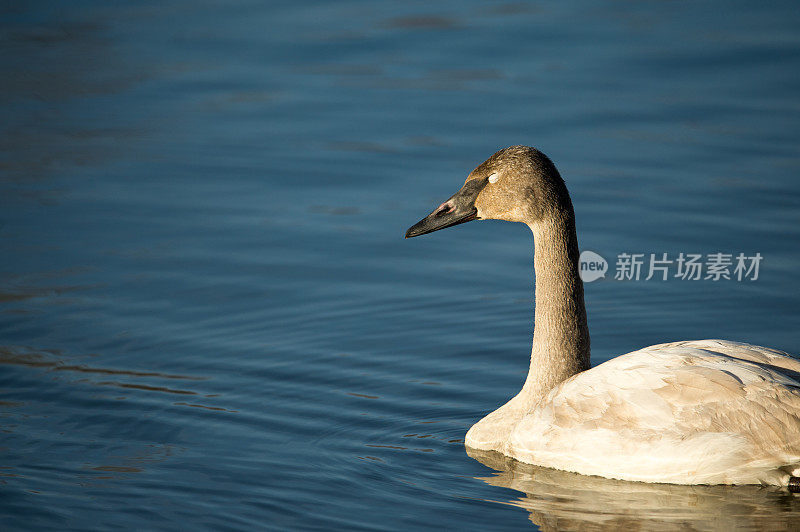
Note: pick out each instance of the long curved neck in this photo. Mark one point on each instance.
(561, 335)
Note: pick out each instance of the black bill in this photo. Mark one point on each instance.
(458, 209)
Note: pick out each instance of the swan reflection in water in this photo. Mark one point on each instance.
(559, 500)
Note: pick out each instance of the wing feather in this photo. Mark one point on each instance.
(709, 411)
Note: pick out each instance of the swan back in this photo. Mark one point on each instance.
(699, 412)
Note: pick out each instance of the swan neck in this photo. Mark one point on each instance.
(561, 335)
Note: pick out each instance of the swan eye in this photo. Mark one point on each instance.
(493, 178)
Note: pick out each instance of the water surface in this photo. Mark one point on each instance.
(209, 317)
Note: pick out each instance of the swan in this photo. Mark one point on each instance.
(692, 412)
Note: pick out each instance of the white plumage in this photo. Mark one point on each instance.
(702, 412)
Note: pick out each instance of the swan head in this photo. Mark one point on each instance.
(516, 184)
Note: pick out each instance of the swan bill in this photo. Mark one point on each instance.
(459, 209)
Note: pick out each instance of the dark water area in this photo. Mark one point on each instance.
(209, 317)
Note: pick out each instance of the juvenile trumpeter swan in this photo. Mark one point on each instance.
(698, 412)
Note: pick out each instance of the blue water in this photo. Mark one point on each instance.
(209, 317)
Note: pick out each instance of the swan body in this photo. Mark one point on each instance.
(699, 412)
(695, 412)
